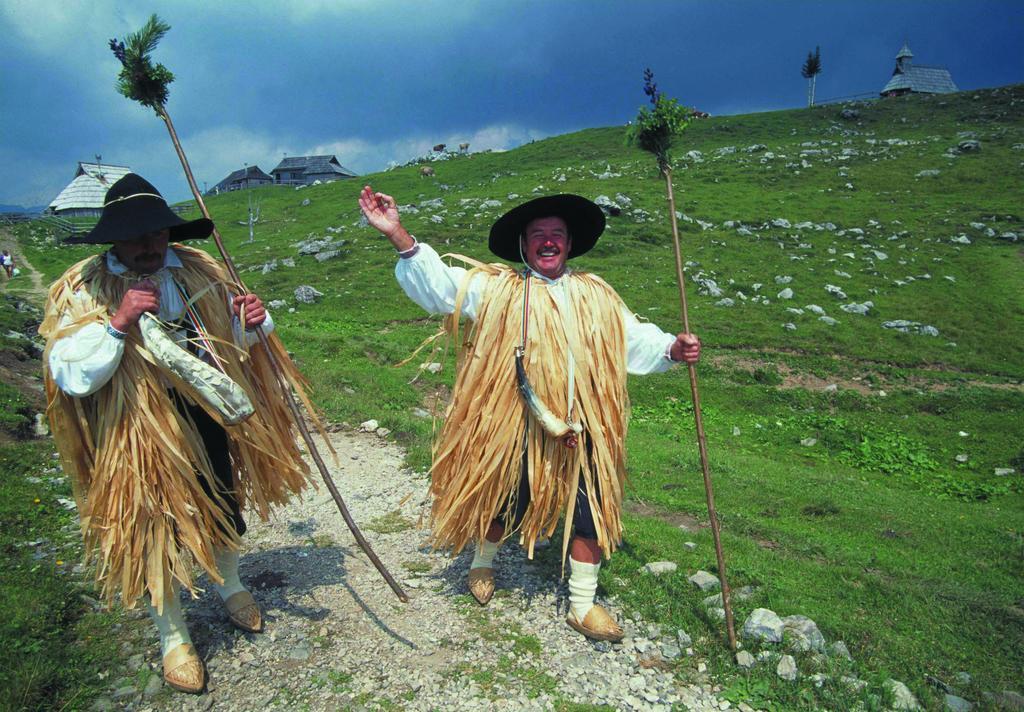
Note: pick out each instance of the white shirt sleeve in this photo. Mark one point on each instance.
(433, 285)
(646, 346)
(82, 363)
(249, 337)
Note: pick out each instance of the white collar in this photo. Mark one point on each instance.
(547, 280)
(115, 266)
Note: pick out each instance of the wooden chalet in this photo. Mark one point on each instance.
(243, 178)
(83, 196)
(304, 170)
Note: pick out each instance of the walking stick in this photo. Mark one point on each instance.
(147, 84)
(654, 131)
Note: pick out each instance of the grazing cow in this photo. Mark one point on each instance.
(426, 172)
(463, 148)
(700, 114)
(439, 147)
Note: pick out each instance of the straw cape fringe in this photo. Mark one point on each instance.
(479, 452)
(133, 457)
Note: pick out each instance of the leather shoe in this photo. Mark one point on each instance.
(597, 624)
(244, 612)
(183, 670)
(481, 584)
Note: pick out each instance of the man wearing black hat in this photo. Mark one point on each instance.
(161, 474)
(559, 341)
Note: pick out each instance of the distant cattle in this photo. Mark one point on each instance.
(439, 147)
(426, 172)
(463, 148)
(700, 114)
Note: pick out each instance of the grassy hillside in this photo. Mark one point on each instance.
(892, 529)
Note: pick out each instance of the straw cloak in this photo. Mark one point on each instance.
(479, 453)
(133, 457)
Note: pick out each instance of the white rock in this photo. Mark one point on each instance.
(369, 426)
(809, 442)
(1003, 471)
(952, 703)
(745, 660)
(786, 293)
(658, 567)
(804, 634)
(828, 320)
(902, 697)
(763, 624)
(786, 669)
(704, 581)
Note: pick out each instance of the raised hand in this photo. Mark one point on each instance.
(140, 298)
(381, 212)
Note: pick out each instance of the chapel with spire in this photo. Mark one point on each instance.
(908, 77)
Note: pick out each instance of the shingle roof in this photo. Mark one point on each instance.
(922, 78)
(89, 187)
(247, 172)
(313, 165)
(905, 52)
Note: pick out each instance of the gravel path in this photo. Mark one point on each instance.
(337, 638)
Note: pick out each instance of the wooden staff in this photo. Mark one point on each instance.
(146, 83)
(702, 444)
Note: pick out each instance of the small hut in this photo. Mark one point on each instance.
(304, 170)
(83, 196)
(908, 77)
(243, 178)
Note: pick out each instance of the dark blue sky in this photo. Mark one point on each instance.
(380, 82)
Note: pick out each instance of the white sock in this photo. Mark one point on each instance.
(227, 566)
(582, 587)
(485, 554)
(170, 623)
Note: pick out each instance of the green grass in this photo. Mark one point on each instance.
(52, 645)
(876, 531)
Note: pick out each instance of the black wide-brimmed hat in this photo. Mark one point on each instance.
(132, 208)
(583, 218)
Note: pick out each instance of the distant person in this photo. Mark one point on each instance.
(8, 262)
(160, 479)
(565, 340)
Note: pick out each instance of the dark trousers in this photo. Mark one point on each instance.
(582, 518)
(215, 440)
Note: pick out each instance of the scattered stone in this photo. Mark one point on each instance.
(838, 649)
(689, 545)
(961, 240)
(369, 426)
(704, 581)
(910, 327)
(835, 291)
(786, 669)
(1008, 700)
(962, 457)
(306, 294)
(962, 678)
(153, 686)
(745, 660)
(803, 634)
(828, 320)
(815, 309)
(970, 146)
(786, 293)
(902, 697)
(849, 114)
(305, 202)
(809, 442)
(683, 638)
(927, 173)
(782, 223)
(606, 204)
(763, 624)
(657, 568)
(831, 388)
(727, 302)
(952, 703)
(1003, 471)
(855, 308)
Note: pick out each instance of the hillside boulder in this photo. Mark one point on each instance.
(764, 625)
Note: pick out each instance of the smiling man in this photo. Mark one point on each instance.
(537, 423)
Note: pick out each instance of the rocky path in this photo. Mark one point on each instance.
(337, 638)
(38, 291)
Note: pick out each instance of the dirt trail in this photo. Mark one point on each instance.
(37, 292)
(337, 638)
